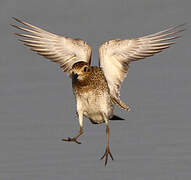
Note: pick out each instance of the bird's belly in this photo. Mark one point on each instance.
(95, 118)
(94, 107)
(93, 110)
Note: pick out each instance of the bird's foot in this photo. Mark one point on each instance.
(72, 140)
(107, 152)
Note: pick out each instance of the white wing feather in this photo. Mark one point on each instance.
(62, 50)
(115, 55)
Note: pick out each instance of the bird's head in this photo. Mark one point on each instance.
(80, 71)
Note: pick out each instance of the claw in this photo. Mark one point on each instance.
(72, 140)
(107, 151)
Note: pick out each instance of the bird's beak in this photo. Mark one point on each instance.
(74, 75)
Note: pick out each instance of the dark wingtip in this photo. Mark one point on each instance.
(16, 19)
(12, 25)
(184, 26)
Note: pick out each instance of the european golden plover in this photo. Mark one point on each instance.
(97, 89)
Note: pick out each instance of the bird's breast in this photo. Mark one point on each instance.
(93, 97)
(94, 104)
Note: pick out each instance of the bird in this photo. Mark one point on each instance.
(96, 88)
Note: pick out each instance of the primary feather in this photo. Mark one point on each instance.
(115, 55)
(62, 50)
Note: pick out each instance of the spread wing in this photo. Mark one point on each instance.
(62, 50)
(115, 55)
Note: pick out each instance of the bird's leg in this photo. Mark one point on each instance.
(74, 139)
(107, 150)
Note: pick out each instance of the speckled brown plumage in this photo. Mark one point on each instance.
(95, 81)
(90, 87)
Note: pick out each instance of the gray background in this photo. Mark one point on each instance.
(37, 107)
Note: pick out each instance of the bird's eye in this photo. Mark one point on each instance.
(85, 69)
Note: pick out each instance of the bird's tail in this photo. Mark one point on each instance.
(116, 118)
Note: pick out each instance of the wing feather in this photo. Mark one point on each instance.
(115, 55)
(62, 50)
